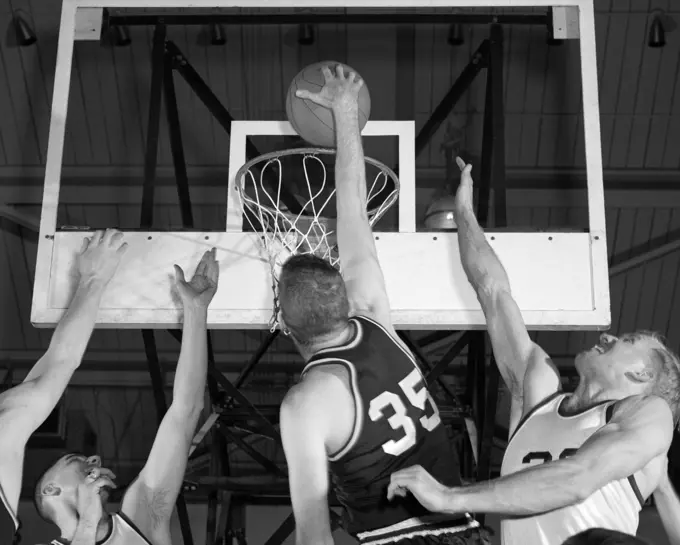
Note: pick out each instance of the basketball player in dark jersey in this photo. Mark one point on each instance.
(361, 409)
(26, 406)
(72, 493)
(574, 461)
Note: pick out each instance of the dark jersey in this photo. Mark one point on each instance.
(397, 425)
(9, 525)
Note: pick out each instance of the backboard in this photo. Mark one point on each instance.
(559, 279)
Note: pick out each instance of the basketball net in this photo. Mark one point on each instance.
(283, 233)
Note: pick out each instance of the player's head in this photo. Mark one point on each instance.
(602, 536)
(634, 363)
(56, 490)
(312, 298)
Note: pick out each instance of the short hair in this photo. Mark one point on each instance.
(667, 383)
(38, 499)
(602, 536)
(312, 297)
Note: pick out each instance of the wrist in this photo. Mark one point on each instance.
(91, 284)
(195, 311)
(451, 500)
(345, 111)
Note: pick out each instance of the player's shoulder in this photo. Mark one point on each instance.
(385, 330)
(373, 321)
(315, 389)
(647, 410)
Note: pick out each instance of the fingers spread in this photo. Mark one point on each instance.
(116, 238)
(302, 93)
(340, 71)
(108, 236)
(327, 74)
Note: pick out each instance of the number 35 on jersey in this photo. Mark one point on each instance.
(416, 394)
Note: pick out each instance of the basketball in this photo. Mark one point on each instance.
(312, 122)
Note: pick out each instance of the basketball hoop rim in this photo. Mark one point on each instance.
(267, 157)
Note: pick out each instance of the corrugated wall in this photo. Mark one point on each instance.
(109, 89)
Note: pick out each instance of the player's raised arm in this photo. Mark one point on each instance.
(151, 498)
(526, 369)
(361, 271)
(26, 406)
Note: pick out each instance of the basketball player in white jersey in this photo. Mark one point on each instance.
(25, 407)
(573, 462)
(72, 493)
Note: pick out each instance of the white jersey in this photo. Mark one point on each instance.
(545, 435)
(123, 532)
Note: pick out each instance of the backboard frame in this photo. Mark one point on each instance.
(582, 300)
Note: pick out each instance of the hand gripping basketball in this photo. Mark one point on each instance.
(338, 92)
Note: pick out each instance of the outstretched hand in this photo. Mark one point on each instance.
(424, 487)
(464, 193)
(200, 290)
(338, 91)
(100, 256)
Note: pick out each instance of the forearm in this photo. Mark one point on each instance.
(192, 366)
(46, 382)
(353, 229)
(480, 262)
(668, 506)
(313, 527)
(530, 492)
(86, 533)
(71, 336)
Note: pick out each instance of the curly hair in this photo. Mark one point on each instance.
(667, 365)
